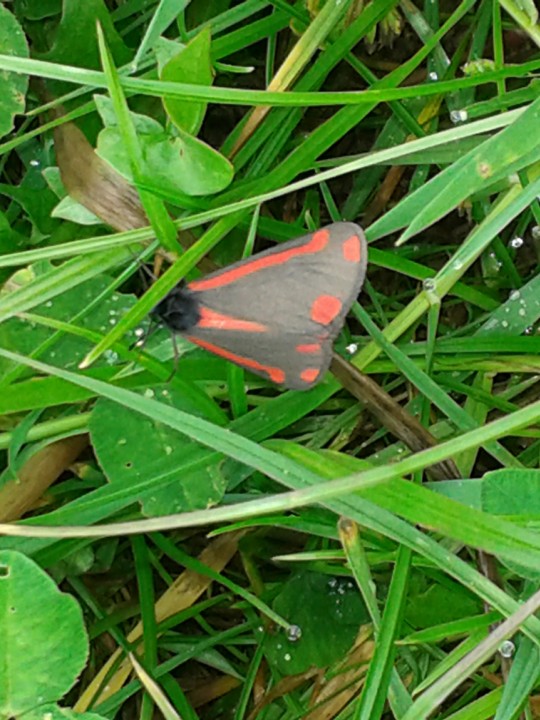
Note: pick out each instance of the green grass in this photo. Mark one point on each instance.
(282, 554)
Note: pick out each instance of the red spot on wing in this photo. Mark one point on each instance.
(325, 308)
(310, 374)
(214, 320)
(275, 374)
(351, 249)
(317, 242)
(308, 348)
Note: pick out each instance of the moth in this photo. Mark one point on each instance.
(278, 312)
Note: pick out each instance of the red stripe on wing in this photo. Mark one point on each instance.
(315, 244)
(309, 348)
(219, 321)
(275, 374)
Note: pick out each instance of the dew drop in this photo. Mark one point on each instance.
(459, 116)
(516, 243)
(294, 633)
(507, 649)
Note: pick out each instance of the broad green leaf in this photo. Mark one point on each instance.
(181, 165)
(68, 208)
(512, 492)
(25, 337)
(13, 86)
(519, 313)
(44, 644)
(468, 492)
(165, 50)
(192, 64)
(76, 41)
(207, 170)
(329, 612)
(131, 447)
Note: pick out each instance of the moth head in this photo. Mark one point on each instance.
(179, 310)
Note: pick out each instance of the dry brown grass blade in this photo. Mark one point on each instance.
(334, 695)
(283, 687)
(37, 474)
(211, 689)
(390, 414)
(94, 183)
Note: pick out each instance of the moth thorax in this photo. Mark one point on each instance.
(178, 310)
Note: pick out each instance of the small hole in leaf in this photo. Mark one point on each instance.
(4, 571)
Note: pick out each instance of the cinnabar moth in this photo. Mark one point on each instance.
(278, 312)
